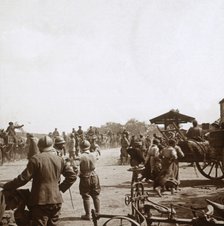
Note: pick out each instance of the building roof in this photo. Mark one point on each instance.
(221, 101)
(172, 116)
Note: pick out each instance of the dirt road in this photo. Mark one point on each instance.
(115, 183)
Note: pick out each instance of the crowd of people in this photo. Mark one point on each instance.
(76, 154)
(159, 162)
(157, 156)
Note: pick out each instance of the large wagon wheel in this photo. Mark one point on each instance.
(211, 168)
(208, 160)
(211, 165)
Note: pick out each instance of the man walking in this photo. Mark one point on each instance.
(89, 181)
(45, 170)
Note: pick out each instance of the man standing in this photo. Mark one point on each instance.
(124, 146)
(89, 181)
(55, 133)
(80, 131)
(45, 170)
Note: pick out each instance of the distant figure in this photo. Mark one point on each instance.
(126, 133)
(123, 151)
(73, 131)
(55, 133)
(72, 147)
(80, 131)
(90, 132)
(195, 132)
(11, 131)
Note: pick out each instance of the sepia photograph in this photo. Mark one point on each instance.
(111, 112)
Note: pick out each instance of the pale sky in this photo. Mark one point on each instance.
(65, 63)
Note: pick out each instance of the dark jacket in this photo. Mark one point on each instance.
(45, 169)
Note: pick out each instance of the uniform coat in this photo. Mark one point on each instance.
(45, 170)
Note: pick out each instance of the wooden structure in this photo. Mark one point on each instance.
(208, 155)
(172, 116)
(221, 110)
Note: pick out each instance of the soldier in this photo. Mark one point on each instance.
(73, 131)
(59, 145)
(72, 147)
(44, 170)
(90, 133)
(80, 131)
(11, 131)
(55, 133)
(95, 148)
(89, 181)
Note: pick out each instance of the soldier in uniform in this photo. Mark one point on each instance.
(44, 170)
(55, 133)
(80, 131)
(11, 131)
(89, 181)
(72, 147)
(94, 147)
(59, 145)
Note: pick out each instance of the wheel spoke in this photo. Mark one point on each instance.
(209, 173)
(205, 165)
(221, 167)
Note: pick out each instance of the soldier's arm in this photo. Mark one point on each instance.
(22, 179)
(70, 175)
(18, 127)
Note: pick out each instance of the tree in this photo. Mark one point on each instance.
(135, 127)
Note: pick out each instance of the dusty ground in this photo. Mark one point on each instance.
(115, 183)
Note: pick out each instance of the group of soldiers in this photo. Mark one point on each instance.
(47, 160)
(104, 140)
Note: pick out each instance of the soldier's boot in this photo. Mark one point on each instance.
(86, 204)
(96, 202)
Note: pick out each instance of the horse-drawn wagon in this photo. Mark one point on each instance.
(206, 154)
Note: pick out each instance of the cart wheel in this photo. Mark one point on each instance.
(121, 221)
(212, 169)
